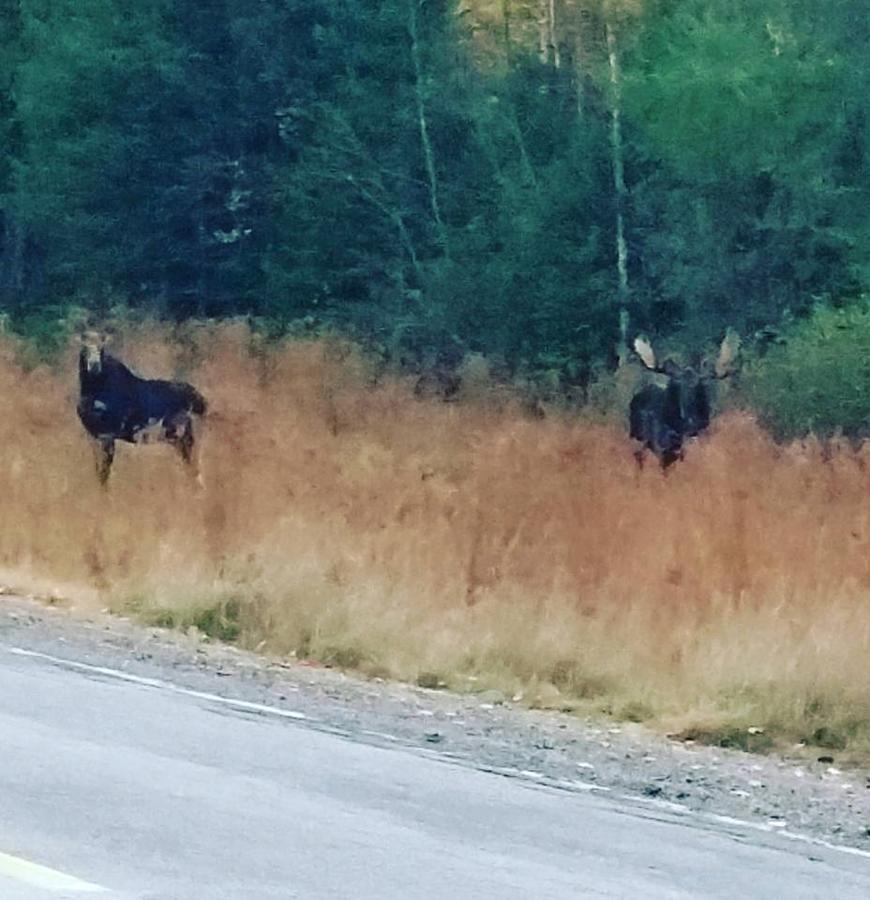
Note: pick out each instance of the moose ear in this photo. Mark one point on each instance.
(727, 353)
(644, 350)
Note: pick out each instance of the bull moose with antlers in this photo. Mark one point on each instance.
(662, 417)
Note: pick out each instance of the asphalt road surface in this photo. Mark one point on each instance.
(120, 789)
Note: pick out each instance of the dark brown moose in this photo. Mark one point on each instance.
(663, 416)
(116, 405)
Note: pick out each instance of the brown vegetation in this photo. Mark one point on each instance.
(344, 519)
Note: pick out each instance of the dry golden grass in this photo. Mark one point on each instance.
(348, 521)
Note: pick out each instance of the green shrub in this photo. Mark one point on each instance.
(818, 379)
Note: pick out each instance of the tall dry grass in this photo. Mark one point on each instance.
(350, 521)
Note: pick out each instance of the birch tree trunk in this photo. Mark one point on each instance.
(619, 187)
(543, 31)
(506, 31)
(580, 65)
(554, 43)
(548, 44)
(428, 154)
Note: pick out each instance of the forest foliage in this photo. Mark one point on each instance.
(531, 180)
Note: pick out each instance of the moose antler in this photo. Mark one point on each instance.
(644, 350)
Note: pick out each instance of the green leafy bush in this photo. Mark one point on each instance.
(818, 379)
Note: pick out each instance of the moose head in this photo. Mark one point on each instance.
(93, 344)
(662, 417)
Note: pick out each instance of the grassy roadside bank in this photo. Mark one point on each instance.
(462, 544)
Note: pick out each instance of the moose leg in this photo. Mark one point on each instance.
(670, 457)
(186, 444)
(104, 453)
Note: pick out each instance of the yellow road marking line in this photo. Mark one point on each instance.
(42, 877)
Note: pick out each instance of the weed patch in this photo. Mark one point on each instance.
(730, 737)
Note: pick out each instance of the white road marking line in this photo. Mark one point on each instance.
(157, 683)
(677, 808)
(381, 734)
(791, 835)
(764, 827)
(39, 876)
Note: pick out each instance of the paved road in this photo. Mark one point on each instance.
(122, 790)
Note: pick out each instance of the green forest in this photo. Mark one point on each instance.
(534, 181)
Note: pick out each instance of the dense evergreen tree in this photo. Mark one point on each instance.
(504, 176)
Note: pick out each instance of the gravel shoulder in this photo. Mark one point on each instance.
(806, 800)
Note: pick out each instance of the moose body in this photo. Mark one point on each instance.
(663, 417)
(116, 405)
